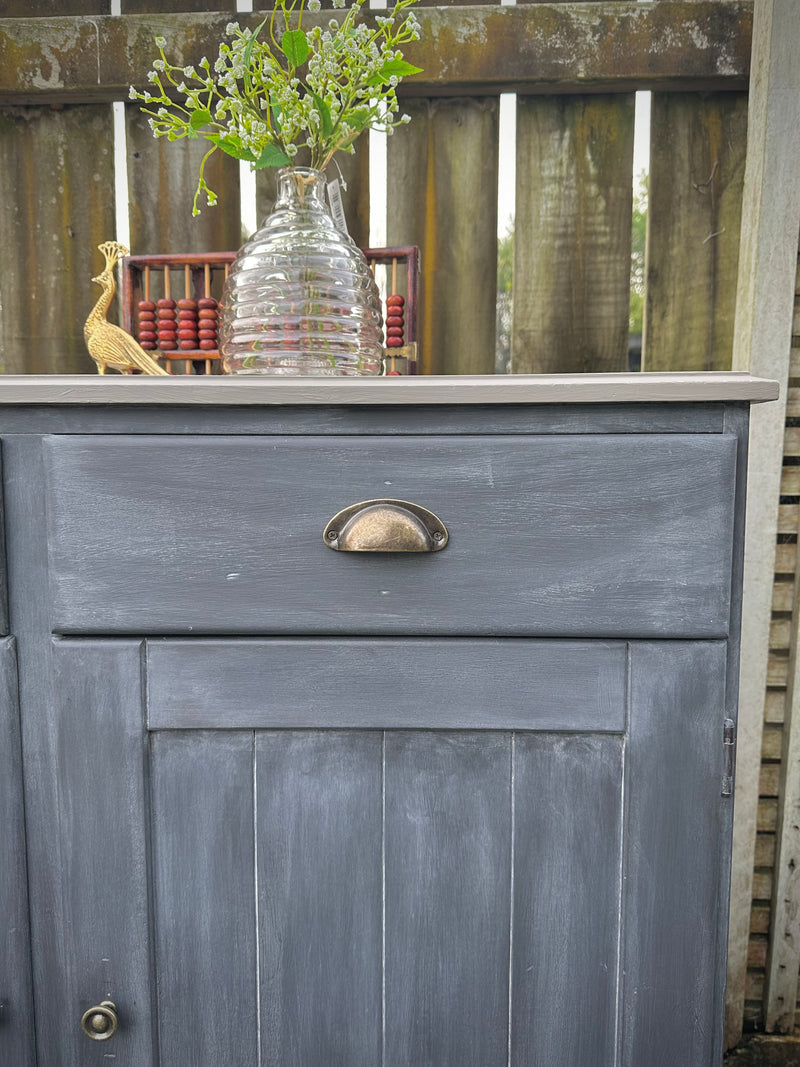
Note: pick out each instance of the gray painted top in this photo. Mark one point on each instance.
(433, 389)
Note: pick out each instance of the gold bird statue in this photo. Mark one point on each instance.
(109, 345)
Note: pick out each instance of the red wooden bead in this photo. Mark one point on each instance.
(147, 316)
(394, 320)
(207, 313)
(166, 337)
(395, 301)
(165, 345)
(186, 315)
(148, 346)
(146, 305)
(185, 302)
(207, 335)
(166, 315)
(187, 335)
(147, 335)
(207, 345)
(164, 303)
(394, 331)
(394, 342)
(206, 302)
(188, 345)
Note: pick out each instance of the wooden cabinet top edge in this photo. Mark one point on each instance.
(411, 390)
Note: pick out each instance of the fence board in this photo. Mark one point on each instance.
(697, 152)
(544, 48)
(162, 177)
(56, 208)
(442, 196)
(573, 234)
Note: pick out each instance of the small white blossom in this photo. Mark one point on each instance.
(231, 29)
(132, 94)
(161, 42)
(159, 64)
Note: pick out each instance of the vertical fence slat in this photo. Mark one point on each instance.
(762, 345)
(162, 176)
(355, 171)
(697, 152)
(57, 207)
(442, 196)
(572, 243)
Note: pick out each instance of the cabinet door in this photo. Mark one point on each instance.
(328, 852)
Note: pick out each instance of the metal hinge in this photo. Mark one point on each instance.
(728, 756)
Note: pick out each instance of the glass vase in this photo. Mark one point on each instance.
(300, 297)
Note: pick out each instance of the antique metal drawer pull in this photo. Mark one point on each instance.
(385, 526)
(100, 1022)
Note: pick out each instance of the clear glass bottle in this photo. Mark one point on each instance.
(300, 297)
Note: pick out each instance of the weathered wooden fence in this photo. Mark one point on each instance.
(574, 68)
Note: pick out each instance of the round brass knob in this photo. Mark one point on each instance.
(100, 1022)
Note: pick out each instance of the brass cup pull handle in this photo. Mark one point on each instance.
(100, 1022)
(385, 526)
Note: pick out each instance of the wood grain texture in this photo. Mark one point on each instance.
(236, 390)
(567, 884)
(672, 960)
(319, 897)
(572, 243)
(191, 535)
(99, 843)
(448, 864)
(442, 197)
(162, 178)
(764, 325)
(545, 48)
(52, 235)
(204, 890)
(384, 683)
(16, 992)
(368, 420)
(697, 158)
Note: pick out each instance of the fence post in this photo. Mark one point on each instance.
(762, 343)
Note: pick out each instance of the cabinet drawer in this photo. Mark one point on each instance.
(614, 535)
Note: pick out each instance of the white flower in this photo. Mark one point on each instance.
(158, 64)
(231, 29)
(190, 72)
(132, 94)
(314, 5)
(161, 42)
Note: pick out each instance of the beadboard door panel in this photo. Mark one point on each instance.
(327, 896)
(624, 535)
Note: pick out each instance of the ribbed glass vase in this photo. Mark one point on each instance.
(300, 297)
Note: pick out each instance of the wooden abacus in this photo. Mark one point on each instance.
(178, 319)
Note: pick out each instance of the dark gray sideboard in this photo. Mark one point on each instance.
(282, 805)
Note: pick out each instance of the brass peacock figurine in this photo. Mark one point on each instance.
(109, 345)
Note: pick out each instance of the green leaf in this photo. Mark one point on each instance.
(393, 68)
(324, 114)
(249, 47)
(200, 118)
(359, 119)
(272, 156)
(231, 147)
(294, 45)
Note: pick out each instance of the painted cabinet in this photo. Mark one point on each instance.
(282, 805)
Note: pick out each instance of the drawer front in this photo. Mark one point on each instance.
(614, 535)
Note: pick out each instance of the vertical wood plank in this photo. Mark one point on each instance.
(319, 897)
(762, 344)
(567, 817)
(448, 864)
(204, 889)
(355, 171)
(672, 1010)
(162, 176)
(442, 196)
(16, 993)
(572, 233)
(102, 950)
(697, 154)
(59, 206)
